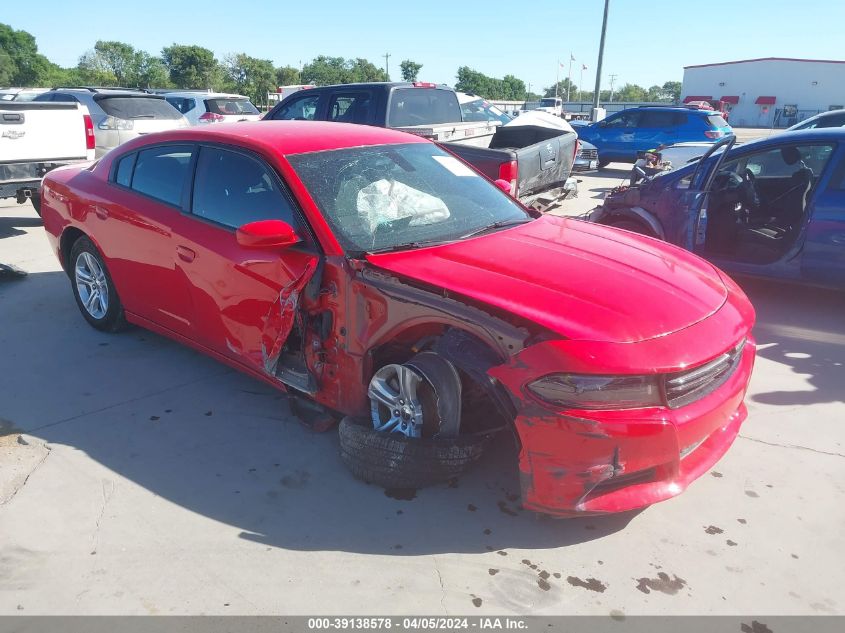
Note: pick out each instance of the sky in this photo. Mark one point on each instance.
(648, 41)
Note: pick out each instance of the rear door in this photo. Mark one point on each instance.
(351, 107)
(823, 259)
(136, 222)
(244, 299)
(658, 127)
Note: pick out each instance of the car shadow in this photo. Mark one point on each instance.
(801, 327)
(224, 446)
(11, 226)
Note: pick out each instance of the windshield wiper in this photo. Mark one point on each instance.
(409, 246)
(496, 225)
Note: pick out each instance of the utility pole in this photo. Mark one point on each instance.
(386, 70)
(569, 76)
(597, 91)
(612, 81)
(557, 77)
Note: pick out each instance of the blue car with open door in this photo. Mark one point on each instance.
(770, 208)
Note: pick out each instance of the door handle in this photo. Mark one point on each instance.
(185, 253)
(101, 212)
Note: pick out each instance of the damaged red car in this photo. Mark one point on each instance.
(379, 279)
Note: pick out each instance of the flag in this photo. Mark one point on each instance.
(583, 66)
(571, 57)
(561, 64)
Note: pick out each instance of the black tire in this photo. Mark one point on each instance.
(392, 460)
(113, 319)
(603, 163)
(36, 203)
(631, 225)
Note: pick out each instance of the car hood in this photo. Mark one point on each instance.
(580, 280)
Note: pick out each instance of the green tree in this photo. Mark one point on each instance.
(561, 90)
(509, 88)
(672, 91)
(22, 64)
(287, 76)
(192, 66)
(152, 73)
(250, 76)
(410, 70)
(325, 71)
(631, 92)
(7, 68)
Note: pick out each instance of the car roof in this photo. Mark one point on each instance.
(836, 134)
(385, 84)
(284, 137)
(674, 108)
(203, 93)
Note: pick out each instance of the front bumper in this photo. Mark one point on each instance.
(575, 463)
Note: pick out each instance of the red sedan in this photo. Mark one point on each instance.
(373, 275)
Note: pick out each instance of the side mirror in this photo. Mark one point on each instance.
(504, 185)
(266, 234)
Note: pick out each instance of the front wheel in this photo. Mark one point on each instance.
(603, 163)
(631, 225)
(93, 288)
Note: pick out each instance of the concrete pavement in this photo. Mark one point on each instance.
(138, 477)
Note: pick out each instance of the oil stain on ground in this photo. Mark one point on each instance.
(663, 583)
(592, 584)
(712, 529)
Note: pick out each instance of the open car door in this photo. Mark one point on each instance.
(695, 200)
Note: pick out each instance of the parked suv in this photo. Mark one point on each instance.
(119, 114)
(202, 107)
(834, 118)
(621, 135)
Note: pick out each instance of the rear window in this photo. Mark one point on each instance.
(716, 120)
(160, 172)
(124, 107)
(422, 106)
(230, 106)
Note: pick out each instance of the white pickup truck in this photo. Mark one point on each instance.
(36, 138)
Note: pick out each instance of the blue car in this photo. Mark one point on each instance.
(770, 208)
(622, 135)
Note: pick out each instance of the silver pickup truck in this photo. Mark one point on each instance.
(35, 138)
(536, 160)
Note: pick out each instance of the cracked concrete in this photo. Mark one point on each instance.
(167, 488)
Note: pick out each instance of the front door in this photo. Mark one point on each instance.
(245, 299)
(617, 135)
(824, 245)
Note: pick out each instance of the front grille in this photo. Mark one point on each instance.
(685, 387)
(589, 154)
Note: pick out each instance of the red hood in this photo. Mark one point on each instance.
(581, 280)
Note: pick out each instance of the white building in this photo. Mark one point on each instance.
(768, 92)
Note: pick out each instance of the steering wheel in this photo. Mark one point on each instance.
(751, 199)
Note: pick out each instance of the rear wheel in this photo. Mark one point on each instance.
(93, 288)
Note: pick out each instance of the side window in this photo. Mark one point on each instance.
(625, 119)
(350, 108)
(123, 173)
(182, 104)
(303, 108)
(233, 189)
(784, 162)
(64, 98)
(658, 119)
(161, 172)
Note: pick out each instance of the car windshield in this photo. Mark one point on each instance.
(231, 106)
(546, 103)
(391, 197)
(481, 110)
(131, 107)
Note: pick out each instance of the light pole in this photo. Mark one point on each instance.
(386, 69)
(569, 76)
(612, 81)
(597, 92)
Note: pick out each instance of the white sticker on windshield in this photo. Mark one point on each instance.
(454, 165)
